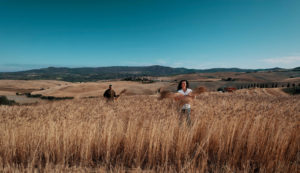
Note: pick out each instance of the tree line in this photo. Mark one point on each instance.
(268, 85)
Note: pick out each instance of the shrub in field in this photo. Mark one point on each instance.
(293, 91)
(5, 101)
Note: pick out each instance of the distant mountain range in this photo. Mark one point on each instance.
(115, 72)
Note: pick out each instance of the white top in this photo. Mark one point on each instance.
(185, 106)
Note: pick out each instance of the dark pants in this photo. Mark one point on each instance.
(187, 114)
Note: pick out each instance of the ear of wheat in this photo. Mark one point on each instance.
(169, 94)
(198, 91)
(123, 91)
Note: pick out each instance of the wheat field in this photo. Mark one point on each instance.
(246, 131)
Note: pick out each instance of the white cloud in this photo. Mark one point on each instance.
(288, 60)
(162, 61)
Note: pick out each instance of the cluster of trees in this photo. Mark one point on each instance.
(139, 79)
(268, 85)
(44, 97)
(292, 90)
(5, 101)
(228, 79)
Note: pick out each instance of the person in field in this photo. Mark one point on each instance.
(184, 96)
(110, 94)
(186, 92)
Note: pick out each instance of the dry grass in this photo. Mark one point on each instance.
(77, 90)
(229, 133)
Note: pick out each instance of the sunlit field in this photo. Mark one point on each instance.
(246, 131)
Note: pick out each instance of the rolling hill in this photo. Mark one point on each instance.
(116, 72)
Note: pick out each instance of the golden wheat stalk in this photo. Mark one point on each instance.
(121, 93)
(50, 137)
(198, 91)
(178, 96)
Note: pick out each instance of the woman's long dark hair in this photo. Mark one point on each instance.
(179, 85)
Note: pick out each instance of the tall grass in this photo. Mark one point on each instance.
(229, 133)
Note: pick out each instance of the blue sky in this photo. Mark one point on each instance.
(192, 34)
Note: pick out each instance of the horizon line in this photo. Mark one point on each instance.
(76, 67)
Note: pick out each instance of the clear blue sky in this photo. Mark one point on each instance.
(192, 34)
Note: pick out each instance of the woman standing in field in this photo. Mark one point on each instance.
(186, 92)
(184, 97)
